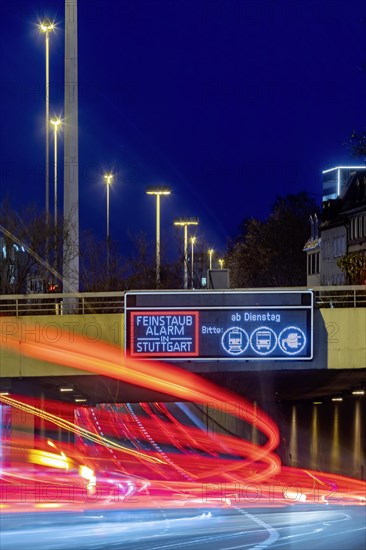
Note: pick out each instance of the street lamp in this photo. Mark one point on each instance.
(221, 262)
(56, 122)
(108, 178)
(193, 240)
(46, 27)
(185, 224)
(210, 254)
(158, 192)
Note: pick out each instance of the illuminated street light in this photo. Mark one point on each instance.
(108, 178)
(221, 262)
(56, 122)
(46, 27)
(210, 254)
(193, 240)
(158, 192)
(185, 224)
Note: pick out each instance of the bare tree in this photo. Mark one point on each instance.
(31, 253)
(97, 272)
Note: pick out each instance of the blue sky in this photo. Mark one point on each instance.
(230, 103)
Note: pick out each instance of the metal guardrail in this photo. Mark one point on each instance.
(335, 296)
(84, 303)
(61, 304)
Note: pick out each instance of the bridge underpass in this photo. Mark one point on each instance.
(264, 386)
(286, 391)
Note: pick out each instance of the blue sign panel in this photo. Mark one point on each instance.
(220, 325)
(250, 334)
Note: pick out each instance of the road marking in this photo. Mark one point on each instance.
(273, 533)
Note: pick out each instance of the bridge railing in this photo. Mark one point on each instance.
(61, 303)
(84, 303)
(335, 296)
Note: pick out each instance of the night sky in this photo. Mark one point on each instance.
(230, 103)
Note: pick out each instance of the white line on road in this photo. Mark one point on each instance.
(273, 533)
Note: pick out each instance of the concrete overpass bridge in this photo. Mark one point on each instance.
(315, 431)
(338, 365)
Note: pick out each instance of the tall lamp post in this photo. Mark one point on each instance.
(46, 27)
(185, 224)
(193, 241)
(56, 122)
(108, 178)
(158, 192)
(210, 254)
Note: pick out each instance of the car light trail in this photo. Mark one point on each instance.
(105, 359)
(168, 459)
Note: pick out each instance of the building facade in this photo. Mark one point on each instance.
(342, 229)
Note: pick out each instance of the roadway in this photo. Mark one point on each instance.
(299, 527)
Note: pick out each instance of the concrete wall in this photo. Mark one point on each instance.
(346, 330)
(339, 342)
(92, 328)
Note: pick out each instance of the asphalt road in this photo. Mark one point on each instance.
(299, 527)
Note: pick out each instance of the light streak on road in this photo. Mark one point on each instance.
(153, 455)
(105, 360)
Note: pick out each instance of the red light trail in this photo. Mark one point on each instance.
(150, 452)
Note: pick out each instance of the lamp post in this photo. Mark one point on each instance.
(221, 262)
(193, 240)
(158, 192)
(185, 224)
(56, 122)
(210, 254)
(46, 27)
(108, 178)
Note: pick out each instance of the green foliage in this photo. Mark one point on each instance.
(354, 267)
(270, 253)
